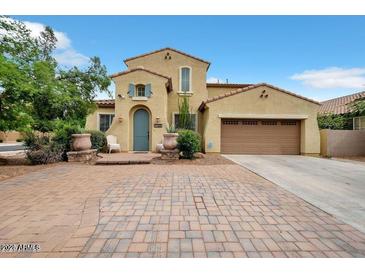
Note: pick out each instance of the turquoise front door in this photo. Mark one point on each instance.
(141, 130)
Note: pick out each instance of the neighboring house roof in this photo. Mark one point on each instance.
(168, 83)
(340, 105)
(226, 85)
(240, 90)
(109, 103)
(171, 49)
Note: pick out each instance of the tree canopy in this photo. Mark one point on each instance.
(358, 108)
(35, 92)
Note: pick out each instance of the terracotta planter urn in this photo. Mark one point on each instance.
(170, 141)
(81, 142)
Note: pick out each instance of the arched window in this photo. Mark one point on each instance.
(140, 90)
(185, 79)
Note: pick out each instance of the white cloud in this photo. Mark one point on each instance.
(215, 80)
(65, 54)
(70, 57)
(63, 42)
(333, 77)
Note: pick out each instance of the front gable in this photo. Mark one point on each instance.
(141, 76)
(162, 55)
(263, 95)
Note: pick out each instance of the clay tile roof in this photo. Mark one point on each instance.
(225, 85)
(138, 69)
(109, 103)
(250, 87)
(168, 83)
(171, 49)
(340, 105)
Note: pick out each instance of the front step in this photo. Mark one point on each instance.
(122, 162)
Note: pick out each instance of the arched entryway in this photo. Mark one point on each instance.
(141, 130)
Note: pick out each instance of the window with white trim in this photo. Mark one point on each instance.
(185, 79)
(193, 121)
(105, 121)
(141, 92)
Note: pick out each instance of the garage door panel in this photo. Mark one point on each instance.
(244, 136)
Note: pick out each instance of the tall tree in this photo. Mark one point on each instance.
(34, 91)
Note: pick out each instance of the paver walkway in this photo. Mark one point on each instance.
(166, 211)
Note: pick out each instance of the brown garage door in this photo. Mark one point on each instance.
(243, 136)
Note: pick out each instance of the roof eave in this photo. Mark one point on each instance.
(167, 48)
(237, 91)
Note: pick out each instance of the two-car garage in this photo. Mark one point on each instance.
(260, 119)
(254, 136)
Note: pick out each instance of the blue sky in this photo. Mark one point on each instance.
(319, 57)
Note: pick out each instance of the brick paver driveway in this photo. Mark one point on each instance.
(166, 211)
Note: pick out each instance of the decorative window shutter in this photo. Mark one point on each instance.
(148, 90)
(131, 89)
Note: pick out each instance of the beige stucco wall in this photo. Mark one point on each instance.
(171, 68)
(277, 105)
(10, 136)
(156, 106)
(324, 140)
(342, 143)
(92, 120)
(164, 105)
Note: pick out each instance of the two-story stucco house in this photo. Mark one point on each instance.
(231, 118)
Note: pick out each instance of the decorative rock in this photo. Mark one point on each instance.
(199, 155)
(82, 156)
(170, 154)
(159, 147)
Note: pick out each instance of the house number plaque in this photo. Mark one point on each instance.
(157, 125)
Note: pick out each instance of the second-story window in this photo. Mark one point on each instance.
(185, 79)
(141, 91)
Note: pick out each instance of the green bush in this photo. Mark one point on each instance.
(332, 121)
(19, 140)
(188, 143)
(63, 132)
(42, 150)
(46, 154)
(62, 136)
(32, 141)
(98, 140)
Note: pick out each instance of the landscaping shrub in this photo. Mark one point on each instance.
(188, 143)
(42, 150)
(332, 121)
(63, 132)
(46, 154)
(98, 140)
(62, 136)
(19, 140)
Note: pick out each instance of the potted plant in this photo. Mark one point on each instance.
(81, 141)
(170, 138)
